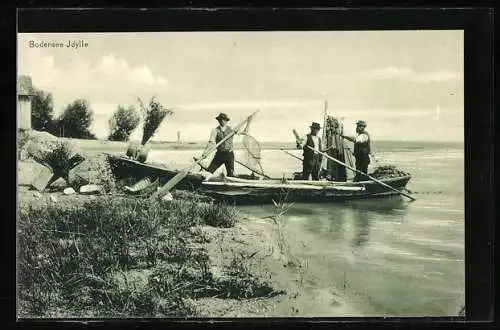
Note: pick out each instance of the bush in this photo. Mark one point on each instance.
(122, 123)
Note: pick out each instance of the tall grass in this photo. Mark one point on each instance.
(71, 258)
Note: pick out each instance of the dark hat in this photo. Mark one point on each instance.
(315, 126)
(222, 116)
(361, 123)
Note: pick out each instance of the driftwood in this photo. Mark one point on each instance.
(42, 151)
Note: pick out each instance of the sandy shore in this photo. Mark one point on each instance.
(257, 238)
(268, 250)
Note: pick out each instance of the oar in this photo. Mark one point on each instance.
(251, 169)
(299, 157)
(182, 174)
(372, 178)
(289, 153)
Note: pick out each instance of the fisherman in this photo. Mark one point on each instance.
(224, 154)
(312, 159)
(362, 150)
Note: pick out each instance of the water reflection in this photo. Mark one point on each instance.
(331, 221)
(362, 227)
(336, 221)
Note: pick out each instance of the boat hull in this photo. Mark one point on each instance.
(328, 192)
(248, 191)
(126, 168)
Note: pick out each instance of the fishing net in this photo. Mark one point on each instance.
(335, 148)
(252, 153)
(387, 171)
(153, 115)
(252, 149)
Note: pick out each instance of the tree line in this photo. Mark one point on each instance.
(77, 117)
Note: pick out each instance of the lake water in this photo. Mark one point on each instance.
(385, 256)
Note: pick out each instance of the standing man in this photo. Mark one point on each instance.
(224, 154)
(312, 159)
(362, 150)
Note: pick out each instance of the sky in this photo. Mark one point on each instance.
(407, 85)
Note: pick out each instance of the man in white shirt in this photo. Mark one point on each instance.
(224, 154)
(362, 150)
(312, 159)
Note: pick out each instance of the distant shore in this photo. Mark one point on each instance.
(380, 146)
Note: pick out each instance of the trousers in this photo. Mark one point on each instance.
(222, 157)
(362, 163)
(311, 167)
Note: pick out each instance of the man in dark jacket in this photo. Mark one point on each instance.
(362, 150)
(224, 154)
(312, 159)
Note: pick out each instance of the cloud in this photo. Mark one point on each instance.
(407, 74)
(250, 104)
(104, 79)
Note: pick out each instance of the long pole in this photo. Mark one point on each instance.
(182, 174)
(251, 169)
(289, 153)
(357, 171)
(298, 158)
(324, 120)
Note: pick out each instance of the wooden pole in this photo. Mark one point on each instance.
(371, 178)
(289, 153)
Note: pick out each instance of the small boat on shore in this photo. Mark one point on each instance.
(245, 191)
(124, 167)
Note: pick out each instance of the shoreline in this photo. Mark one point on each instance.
(259, 240)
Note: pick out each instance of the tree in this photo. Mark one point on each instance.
(153, 115)
(122, 123)
(76, 119)
(42, 108)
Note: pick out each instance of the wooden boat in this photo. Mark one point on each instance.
(143, 187)
(123, 167)
(244, 191)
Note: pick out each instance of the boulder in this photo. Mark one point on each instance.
(69, 191)
(42, 179)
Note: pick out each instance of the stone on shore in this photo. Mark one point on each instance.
(91, 189)
(69, 191)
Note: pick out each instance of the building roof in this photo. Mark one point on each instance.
(24, 85)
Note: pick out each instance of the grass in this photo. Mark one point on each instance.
(77, 261)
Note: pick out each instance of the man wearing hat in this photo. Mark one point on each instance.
(312, 159)
(362, 150)
(224, 154)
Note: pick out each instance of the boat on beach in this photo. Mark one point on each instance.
(262, 189)
(252, 191)
(124, 167)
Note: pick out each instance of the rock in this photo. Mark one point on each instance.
(37, 194)
(27, 171)
(168, 197)
(53, 198)
(59, 184)
(91, 189)
(69, 191)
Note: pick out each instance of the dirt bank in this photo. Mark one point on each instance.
(258, 244)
